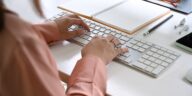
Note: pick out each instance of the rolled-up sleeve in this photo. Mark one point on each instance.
(89, 75)
(49, 31)
(88, 78)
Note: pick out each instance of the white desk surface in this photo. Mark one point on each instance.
(122, 80)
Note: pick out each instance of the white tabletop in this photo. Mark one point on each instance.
(122, 80)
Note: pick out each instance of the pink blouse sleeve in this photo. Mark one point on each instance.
(88, 78)
(49, 31)
(29, 69)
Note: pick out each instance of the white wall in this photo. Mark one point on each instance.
(26, 11)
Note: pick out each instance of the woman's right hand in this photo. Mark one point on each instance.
(104, 48)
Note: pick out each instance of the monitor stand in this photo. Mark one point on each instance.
(185, 6)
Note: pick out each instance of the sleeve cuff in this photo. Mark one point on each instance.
(89, 71)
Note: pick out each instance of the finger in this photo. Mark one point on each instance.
(79, 22)
(96, 37)
(121, 51)
(110, 38)
(115, 41)
(73, 16)
(76, 33)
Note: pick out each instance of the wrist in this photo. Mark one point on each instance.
(98, 58)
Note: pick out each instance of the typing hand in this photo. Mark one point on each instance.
(104, 48)
(65, 22)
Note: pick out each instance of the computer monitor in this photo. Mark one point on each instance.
(185, 6)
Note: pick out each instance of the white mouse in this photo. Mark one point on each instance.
(188, 76)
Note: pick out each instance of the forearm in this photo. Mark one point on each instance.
(48, 31)
(88, 78)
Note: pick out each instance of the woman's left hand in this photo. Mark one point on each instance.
(65, 22)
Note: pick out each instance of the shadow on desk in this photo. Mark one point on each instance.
(63, 50)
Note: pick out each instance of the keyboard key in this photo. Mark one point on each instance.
(89, 39)
(92, 35)
(102, 29)
(141, 49)
(149, 43)
(149, 69)
(158, 61)
(173, 57)
(121, 57)
(157, 47)
(147, 62)
(165, 64)
(129, 45)
(156, 55)
(122, 42)
(128, 60)
(73, 27)
(166, 54)
(91, 29)
(127, 54)
(83, 41)
(135, 47)
(151, 59)
(170, 51)
(92, 25)
(57, 16)
(133, 41)
(97, 27)
(146, 46)
(88, 23)
(113, 33)
(162, 57)
(100, 34)
(124, 38)
(139, 65)
(95, 31)
(154, 49)
(105, 35)
(141, 60)
(169, 60)
(149, 53)
(139, 44)
(158, 70)
(85, 37)
(61, 14)
(145, 56)
(153, 65)
(160, 52)
(107, 31)
(163, 49)
(176, 54)
(117, 35)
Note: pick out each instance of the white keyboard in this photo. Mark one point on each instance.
(144, 56)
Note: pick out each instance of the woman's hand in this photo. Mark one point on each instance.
(104, 48)
(173, 2)
(65, 22)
